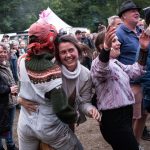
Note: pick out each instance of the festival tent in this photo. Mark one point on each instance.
(50, 17)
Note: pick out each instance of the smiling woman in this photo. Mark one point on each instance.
(76, 78)
(68, 54)
(114, 95)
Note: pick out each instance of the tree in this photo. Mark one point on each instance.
(18, 15)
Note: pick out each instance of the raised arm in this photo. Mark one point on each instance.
(100, 66)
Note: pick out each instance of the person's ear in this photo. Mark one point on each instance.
(124, 16)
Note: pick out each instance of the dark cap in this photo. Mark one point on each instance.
(127, 5)
(77, 32)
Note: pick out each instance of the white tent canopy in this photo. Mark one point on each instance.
(50, 17)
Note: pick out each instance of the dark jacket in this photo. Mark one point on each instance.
(4, 100)
(4, 91)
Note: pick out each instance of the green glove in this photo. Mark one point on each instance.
(60, 105)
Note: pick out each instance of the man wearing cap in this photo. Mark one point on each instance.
(128, 35)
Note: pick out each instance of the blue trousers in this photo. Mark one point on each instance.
(13, 65)
(8, 136)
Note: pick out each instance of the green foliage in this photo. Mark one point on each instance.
(18, 15)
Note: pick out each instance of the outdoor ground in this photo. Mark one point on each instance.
(90, 136)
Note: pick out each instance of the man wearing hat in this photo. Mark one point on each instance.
(128, 32)
(128, 35)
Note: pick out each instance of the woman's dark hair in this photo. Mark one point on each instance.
(100, 40)
(85, 48)
(64, 39)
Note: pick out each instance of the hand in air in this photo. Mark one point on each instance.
(109, 36)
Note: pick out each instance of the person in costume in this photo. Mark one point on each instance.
(41, 85)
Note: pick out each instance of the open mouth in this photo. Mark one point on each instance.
(69, 60)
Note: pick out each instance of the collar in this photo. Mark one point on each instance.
(71, 75)
(123, 27)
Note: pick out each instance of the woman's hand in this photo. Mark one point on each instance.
(94, 113)
(28, 105)
(109, 36)
(144, 40)
(14, 89)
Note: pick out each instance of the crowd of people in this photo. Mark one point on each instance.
(60, 79)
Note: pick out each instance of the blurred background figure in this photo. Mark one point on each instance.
(22, 47)
(87, 40)
(101, 27)
(5, 38)
(78, 35)
(14, 50)
(141, 23)
(9, 89)
(86, 58)
(62, 32)
(114, 21)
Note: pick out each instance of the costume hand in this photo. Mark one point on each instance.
(14, 89)
(28, 105)
(109, 36)
(94, 113)
(144, 40)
